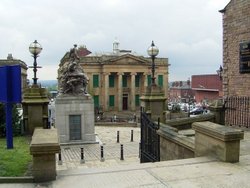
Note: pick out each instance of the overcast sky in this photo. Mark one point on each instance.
(188, 32)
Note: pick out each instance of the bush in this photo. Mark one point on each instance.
(16, 121)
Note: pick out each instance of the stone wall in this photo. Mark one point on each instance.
(175, 146)
(236, 29)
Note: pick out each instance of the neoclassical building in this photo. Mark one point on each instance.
(118, 79)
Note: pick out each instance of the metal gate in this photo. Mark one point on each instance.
(237, 111)
(150, 140)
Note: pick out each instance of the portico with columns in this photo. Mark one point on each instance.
(117, 80)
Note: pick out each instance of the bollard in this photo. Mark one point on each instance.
(132, 136)
(102, 154)
(60, 158)
(122, 156)
(118, 139)
(82, 156)
(139, 156)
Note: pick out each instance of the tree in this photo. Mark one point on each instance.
(16, 121)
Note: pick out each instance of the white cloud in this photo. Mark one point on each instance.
(188, 32)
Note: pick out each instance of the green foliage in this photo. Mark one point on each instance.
(14, 162)
(16, 121)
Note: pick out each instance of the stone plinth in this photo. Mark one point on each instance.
(43, 147)
(154, 102)
(35, 108)
(218, 141)
(82, 107)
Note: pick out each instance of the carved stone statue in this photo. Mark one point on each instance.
(71, 77)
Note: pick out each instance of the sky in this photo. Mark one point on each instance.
(187, 32)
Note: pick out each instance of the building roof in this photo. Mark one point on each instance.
(11, 61)
(224, 9)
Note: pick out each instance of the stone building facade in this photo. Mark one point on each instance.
(236, 62)
(118, 79)
(11, 61)
(236, 30)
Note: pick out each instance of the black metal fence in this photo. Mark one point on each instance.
(150, 140)
(237, 111)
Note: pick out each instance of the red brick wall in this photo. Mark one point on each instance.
(236, 28)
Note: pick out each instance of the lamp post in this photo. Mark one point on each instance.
(153, 52)
(35, 48)
(219, 72)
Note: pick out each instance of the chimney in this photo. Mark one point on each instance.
(9, 57)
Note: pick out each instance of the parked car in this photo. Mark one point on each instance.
(196, 111)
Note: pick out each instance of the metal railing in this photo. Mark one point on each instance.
(237, 111)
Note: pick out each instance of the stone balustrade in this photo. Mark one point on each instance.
(216, 140)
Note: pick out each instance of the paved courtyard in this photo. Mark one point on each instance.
(107, 136)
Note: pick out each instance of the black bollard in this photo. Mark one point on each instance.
(82, 156)
(60, 158)
(118, 137)
(139, 156)
(132, 136)
(122, 156)
(102, 154)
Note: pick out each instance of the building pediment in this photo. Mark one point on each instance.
(128, 59)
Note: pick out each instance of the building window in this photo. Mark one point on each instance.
(96, 100)
(137, 100)
(111, 81)
(75, 127)
(95, 80)
(149, 80)
(137, 80)
(160, 80)
(111, 100)
(124, 81)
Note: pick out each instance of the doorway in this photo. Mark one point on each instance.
(125, 102)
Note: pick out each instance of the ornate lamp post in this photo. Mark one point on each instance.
(153, 52)
(35, 48)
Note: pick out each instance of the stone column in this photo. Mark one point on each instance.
(119, 90)
(145, 83)
(132, 93)
(105, 92)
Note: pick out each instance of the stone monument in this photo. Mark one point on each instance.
(74, 106)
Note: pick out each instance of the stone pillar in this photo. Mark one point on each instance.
(119, 88)
(218, 109)
(44, 145)
(105, 91)
(132, 93)
(35, 108)
(153, 102)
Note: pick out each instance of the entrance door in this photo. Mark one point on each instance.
(75, 127)
(125, 102)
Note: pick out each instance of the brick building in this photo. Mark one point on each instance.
(180, 91)
(206, 88)
(236, 62)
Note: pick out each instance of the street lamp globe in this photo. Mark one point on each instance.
(35, 48)
(153, 52)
